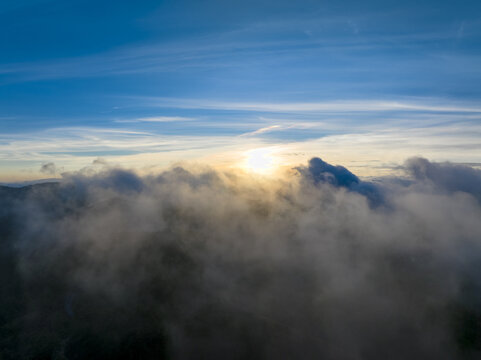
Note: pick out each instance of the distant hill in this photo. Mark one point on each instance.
(27, 183)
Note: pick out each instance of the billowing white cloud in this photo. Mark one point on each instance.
(200, 263)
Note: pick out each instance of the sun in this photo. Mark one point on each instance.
(260, 160)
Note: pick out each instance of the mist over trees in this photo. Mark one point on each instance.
(202, 264)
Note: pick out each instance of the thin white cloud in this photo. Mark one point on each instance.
(218, 50)
(73, 143)
(262, 130)
(345, 106)
(153, 119)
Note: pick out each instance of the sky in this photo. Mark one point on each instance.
(254, 84)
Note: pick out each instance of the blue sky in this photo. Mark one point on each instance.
(144, 84)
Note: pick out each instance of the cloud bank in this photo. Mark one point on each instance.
(195, 263)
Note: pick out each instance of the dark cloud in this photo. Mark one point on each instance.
(203, 264)
(320, 172)
(48, 168)
(446, 176)
(100, 161)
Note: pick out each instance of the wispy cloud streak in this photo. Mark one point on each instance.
(343, 106)
(154, 119)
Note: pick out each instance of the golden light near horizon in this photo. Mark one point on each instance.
(260, 160)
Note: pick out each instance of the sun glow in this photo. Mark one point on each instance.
(260, 160)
